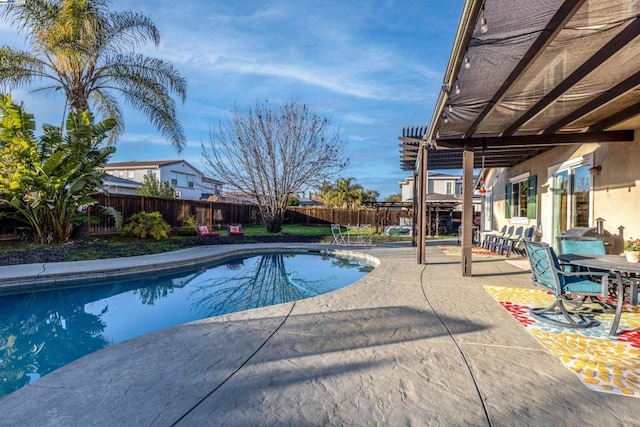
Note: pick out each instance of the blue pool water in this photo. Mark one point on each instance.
(42, 331)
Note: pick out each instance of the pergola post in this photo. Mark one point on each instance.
(416, 210)
(467, 210)
(422, 203)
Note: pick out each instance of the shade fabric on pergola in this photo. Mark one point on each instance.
(543, 74)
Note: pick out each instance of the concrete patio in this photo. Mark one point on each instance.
(408, 345)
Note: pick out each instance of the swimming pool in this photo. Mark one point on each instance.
(42, 331)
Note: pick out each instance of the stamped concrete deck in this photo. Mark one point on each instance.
(407, 345)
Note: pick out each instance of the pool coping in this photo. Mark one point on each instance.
(25, 277)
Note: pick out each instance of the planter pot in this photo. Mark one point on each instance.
(632, 256)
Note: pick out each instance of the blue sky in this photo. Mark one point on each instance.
(372, 67)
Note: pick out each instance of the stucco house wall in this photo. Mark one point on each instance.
(406, 190)
(614, 194)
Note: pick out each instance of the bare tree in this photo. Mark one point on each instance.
(270, 153)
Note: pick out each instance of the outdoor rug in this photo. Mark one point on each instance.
(455, 250)
(604, 363)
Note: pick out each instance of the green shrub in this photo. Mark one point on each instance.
(145, 224)
(185, 230)
(188, 228)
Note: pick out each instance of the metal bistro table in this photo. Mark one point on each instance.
(627, 276)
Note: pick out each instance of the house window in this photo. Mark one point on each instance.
(182, 180)
(131, 174)
(521, 196)
(449, 188)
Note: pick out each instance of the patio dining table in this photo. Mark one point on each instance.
(627, 276)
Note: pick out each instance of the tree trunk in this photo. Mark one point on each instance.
(273, 224)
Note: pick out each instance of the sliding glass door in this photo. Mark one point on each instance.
(581, 195)
(560, 192)
(571, 203)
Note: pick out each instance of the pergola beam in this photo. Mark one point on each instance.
(564, 13)
(532, 140)
(606, 97)
(619, 117)
(614, 45)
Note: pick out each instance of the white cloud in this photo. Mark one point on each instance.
(372, 67)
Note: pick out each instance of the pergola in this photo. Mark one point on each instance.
(523, 78)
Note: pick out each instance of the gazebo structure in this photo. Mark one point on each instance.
(434, 204)
(525, 78)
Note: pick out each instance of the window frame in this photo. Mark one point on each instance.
(519, 199)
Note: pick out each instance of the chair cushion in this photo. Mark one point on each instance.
(581, 285)
(582, 247)
(203, 231)
(235, 230)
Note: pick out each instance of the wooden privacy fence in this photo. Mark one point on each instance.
(216, 215)
(378, 218)
(174, 212)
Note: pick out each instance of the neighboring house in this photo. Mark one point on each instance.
(309, 203)
(442, 185)
(436, 183)
(116, 185)
(235, 197)
(189, 182)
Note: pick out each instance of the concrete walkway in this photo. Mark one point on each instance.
(407, 345)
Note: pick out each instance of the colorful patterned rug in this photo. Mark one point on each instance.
(455, 251)
(604, 363)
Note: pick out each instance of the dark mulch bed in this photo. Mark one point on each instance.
(99, 249)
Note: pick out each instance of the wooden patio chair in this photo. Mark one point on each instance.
(235, 230)
(507, 243)
(487, 243)
(497, 241)
(527, 235)
(203, 231)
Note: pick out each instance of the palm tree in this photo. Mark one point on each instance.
(327, 194)
(87, 51)
(348, 195)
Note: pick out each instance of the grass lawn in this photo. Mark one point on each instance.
(288, 230)
(115, 246)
